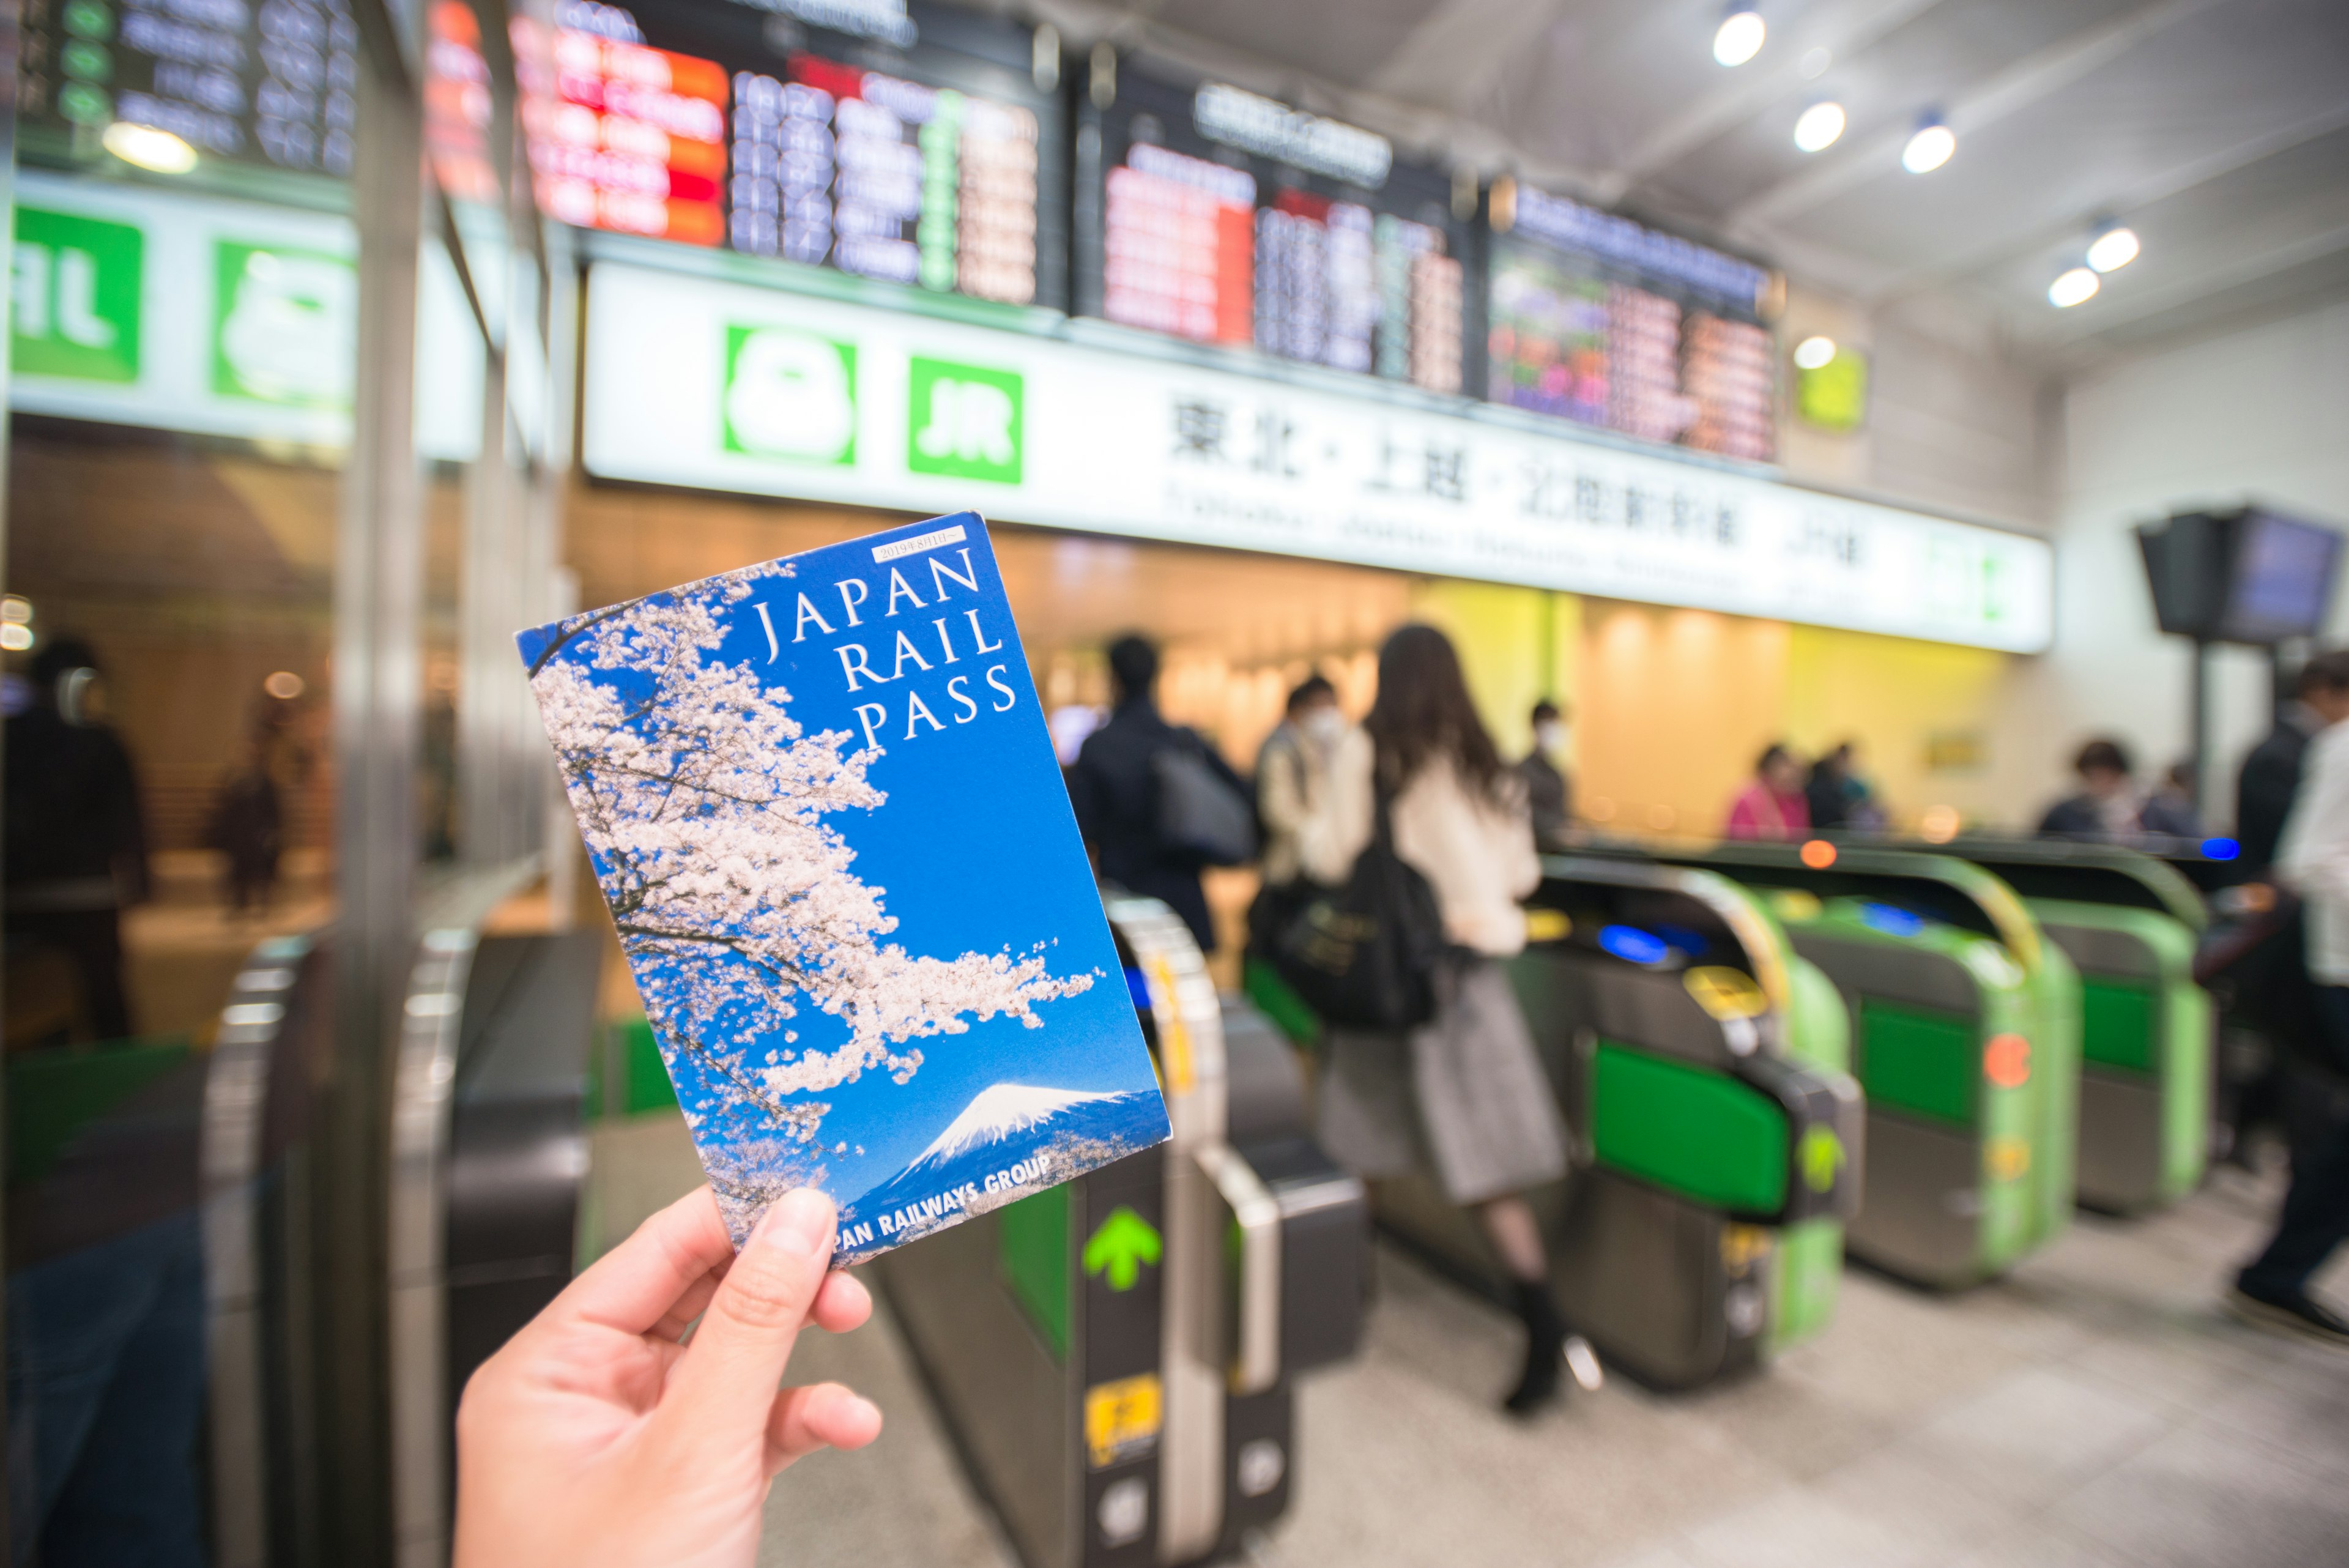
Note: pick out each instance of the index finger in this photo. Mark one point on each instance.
(633, 1286)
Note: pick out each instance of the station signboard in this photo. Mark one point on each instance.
(139, 307)
(720, 385)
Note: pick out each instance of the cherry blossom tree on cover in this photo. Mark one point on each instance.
(703, 802)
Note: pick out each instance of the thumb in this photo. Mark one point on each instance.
(725, 1385)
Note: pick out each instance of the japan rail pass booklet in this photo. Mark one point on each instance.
(820, 801)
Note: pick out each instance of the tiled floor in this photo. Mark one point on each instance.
(2092, 1410)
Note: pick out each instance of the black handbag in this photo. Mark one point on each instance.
(1199, 814)
(1364, 955)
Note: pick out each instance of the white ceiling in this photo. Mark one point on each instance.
(2219, 130)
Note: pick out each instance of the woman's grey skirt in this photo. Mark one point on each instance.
(1463, 1096)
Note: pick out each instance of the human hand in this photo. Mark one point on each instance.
(595, 1439)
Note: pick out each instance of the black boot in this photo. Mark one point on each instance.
(1545, 1349)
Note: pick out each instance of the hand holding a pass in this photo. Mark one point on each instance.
(597, 1439)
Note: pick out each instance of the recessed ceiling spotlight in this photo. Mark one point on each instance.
(148, 148)
(1929, 148)
(2113, 249)
(2073, 289)
(1819, 126)
(1739, 37)
(1815, 353)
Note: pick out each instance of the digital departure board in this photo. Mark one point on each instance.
(253, 81)
(909, 145)
(1227, 217)
(1596, 318)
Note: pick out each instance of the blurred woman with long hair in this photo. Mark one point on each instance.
(1462, 1097)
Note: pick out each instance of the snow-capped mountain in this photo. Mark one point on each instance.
(999, 1112)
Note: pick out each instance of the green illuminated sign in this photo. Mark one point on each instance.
(963, 421)
(75, 297)
(1833, 396)
(1124, 1241)
(789, 394)
(284, 325)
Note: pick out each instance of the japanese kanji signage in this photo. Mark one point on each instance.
(1157, 441)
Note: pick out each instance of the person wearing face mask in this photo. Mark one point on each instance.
(1292, 779)
(1549, 791)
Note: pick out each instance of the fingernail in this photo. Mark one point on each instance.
(799, 1223)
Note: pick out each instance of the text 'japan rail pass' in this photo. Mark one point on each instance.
(822, 805)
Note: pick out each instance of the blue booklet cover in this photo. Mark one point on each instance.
(822, 803)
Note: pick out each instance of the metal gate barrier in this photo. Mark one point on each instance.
(1965, 1028)
(1715, 1137)
(489, 1156)
(1114, 1356)
(2129, 923)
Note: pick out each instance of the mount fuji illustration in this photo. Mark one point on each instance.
(1010, 1140)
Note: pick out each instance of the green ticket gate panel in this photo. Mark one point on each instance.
(1965, 1028)
(1714, 1156)
(2129, 924)
(1116, 1356)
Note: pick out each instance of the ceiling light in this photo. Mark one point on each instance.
(1739, 37)
(1812, 353)
(1819, 126)
(148, 148)
(2072, 288)
(1930, 148)
(2113, 250)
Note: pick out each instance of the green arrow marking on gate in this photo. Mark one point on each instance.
(1821, 1158)
(1124, 1241)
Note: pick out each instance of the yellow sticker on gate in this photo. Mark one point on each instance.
(1725, 994)
(2007, 1158)
(1122, 1420)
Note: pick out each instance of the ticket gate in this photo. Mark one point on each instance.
(2130, 924)
(1114, 1356)
(1965, 1027)
(1716, 1139)
(489, 1157)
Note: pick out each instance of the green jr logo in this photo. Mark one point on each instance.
(75, 296)
(963, 421)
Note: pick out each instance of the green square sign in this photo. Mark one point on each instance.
(963, 421)
(284, 325)
(76, 296)
(789, 394)
(1832, 396)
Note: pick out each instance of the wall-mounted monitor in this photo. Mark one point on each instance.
(906, 143)
(1211, 213)
(2248, 575)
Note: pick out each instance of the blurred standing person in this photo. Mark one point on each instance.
(2170, 808)
(1838, 798)
(1549, 793)
(2313, 858)
(1292, 770)
(1771, 804)
(248, 825)
(1117, 789)
(2270, 780)
(76, 839)
(1463, 1095)
(2109, 804)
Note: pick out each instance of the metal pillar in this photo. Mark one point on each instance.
(377, 697)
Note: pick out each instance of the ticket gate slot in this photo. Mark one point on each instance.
(2130, 924)
(1116, 1356)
